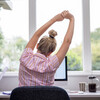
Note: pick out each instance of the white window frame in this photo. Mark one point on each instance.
(87, 64)
(87, 55)
(87, 61)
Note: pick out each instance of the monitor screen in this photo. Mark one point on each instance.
(61, 73)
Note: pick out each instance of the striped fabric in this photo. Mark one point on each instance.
(36, 69)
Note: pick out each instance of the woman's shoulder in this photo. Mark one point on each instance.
(53, 58)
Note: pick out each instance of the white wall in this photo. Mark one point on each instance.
(10, 82)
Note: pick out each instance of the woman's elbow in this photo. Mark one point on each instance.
(68, 41)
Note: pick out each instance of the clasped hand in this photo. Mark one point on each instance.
(65, 14)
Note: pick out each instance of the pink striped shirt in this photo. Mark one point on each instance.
(36, 69)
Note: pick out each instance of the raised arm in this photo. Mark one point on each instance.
(68, 36)
(41, 30)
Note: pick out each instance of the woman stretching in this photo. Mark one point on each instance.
(39, 68)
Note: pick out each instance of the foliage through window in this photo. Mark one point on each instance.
(95, 33)
(13, 34)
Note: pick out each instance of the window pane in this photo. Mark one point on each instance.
(13, 34)
(95, 33)
(46, 9)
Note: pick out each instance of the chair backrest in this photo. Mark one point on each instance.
(39, 93)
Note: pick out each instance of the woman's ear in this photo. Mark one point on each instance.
(49, 54)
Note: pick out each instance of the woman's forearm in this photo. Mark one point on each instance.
(69, 33)
(43, 28)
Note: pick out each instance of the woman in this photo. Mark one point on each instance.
(39, 68)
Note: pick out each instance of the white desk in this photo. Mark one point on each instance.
(85, 94)
(4, 96)
(71, 95)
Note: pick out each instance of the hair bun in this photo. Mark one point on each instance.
(52, 33)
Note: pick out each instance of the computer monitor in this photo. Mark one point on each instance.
(61, 73)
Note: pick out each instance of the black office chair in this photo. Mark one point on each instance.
(39, 93)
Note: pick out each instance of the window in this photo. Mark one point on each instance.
(46, 9)
(13, 34)
(14, 31)
(95, 33)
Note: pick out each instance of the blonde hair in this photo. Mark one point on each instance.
(48, 44)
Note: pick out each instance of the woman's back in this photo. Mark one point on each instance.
(37, 69)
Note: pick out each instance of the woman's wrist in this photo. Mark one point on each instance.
(72, 18)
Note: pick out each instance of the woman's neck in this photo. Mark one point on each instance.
(43, 54)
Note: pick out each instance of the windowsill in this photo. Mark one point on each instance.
(11, 74)
(70, 74)
(82, 73)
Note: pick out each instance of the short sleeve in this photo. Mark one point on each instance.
(26, 56)
(53, 63)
